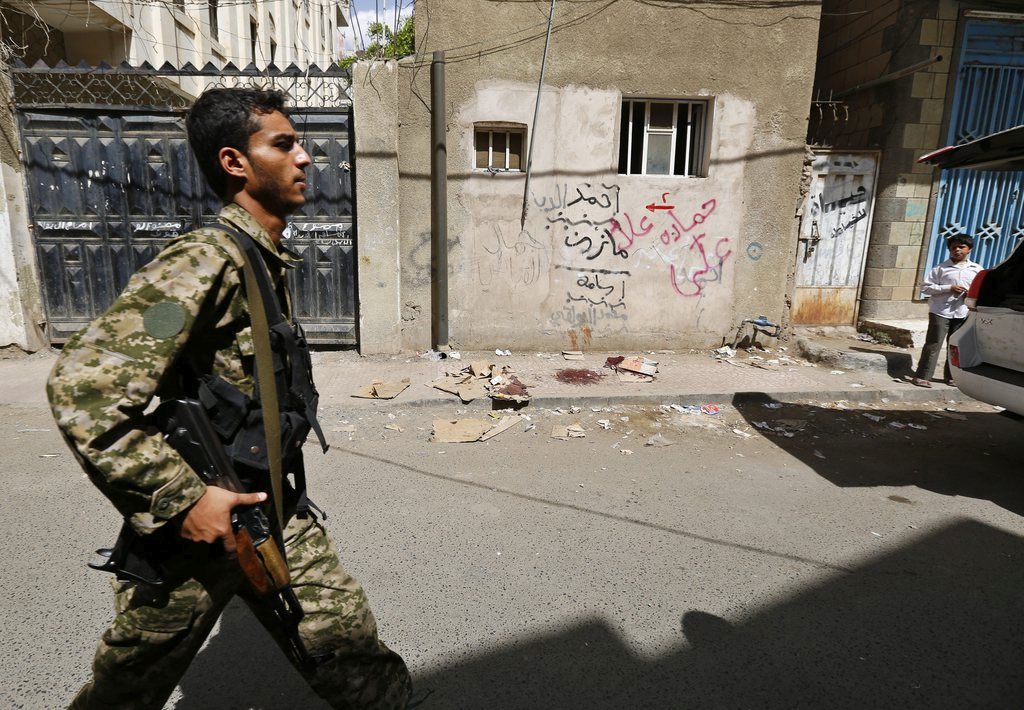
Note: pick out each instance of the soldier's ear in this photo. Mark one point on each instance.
(233, 162)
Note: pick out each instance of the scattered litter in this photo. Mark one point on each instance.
(711, 409)
(26, 431)
(740, 432)
(572, 354)
(511, 390)
(382, 390)
(472, 388)
(885, 400)
(459, 431)
(658, 440)
(573, 431)
(433, 355)
(772, 405)
(725, 351)
(604, 423)
(873, 417)
(856, 384)
(786, 427)
(837, 372)
(633, 369)
(455, 355)
(480, 368)
(897, 425)
(502, 353)
(998, 408)
(48, 456)
(819, 454)
(623, 419)
(627, 452)
(574, 410)
(876, 534)
(919, 427)
(393, 427)
(497, 380)
(685, 408)
(953, 415)
(866, 338)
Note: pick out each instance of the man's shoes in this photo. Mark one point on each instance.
(918, 382)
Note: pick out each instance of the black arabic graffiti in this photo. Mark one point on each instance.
(601, 293)
(843, 226)
(859, 195)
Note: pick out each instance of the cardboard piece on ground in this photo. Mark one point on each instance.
(634, 377)
(504, 424)
(382, 390)
(572, 354)
(639, 364)
(480, 368)
(472, 389)
(460, 431)
(449, 383)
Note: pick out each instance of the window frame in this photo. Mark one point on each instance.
(696, 141)
(508, 130)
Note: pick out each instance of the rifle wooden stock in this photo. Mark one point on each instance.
(275, 564)
(251, 564)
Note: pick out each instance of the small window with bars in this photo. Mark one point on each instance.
(499, 148)
(662, 137)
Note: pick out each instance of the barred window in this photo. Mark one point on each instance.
(499, 147)
(659, 137)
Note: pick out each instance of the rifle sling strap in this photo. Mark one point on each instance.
(260, 295)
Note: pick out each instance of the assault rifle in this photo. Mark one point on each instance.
(259, 547)
(188, 430)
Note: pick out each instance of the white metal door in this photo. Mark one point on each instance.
(834, 238)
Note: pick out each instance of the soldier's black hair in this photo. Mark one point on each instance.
(966, 239)
(225, 118)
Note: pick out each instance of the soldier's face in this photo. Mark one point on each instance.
(276, 170)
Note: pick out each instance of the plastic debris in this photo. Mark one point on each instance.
(772, 405)
(741, 433)
(433, 355)
(919, 427)
(604, 423)
(573, 431)
(658, 440)
(711, 409)
(572, 354)
(873, 417)
(725, 351)
(897, 425)
(837, 372)
(819, 454)
(627, 452)
(502, 353)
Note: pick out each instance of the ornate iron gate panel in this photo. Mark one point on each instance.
(109, 186)
(989, 97)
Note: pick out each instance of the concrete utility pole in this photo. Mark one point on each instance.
(438, 206)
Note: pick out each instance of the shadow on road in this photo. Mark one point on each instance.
(973, 454)
(935, 623)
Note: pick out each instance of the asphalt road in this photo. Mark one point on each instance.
(856, 564)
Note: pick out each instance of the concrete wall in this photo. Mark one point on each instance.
(905, 118)
(375, 93)
(560, 281)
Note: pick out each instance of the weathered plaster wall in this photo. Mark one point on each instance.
(721, 253)
(375, 92)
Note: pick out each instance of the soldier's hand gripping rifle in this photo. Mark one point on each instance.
(188, 430)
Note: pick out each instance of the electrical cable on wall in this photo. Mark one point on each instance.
(536, 110)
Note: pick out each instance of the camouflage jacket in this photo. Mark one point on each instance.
(183, 310)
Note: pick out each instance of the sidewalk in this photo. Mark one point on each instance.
(683, 378)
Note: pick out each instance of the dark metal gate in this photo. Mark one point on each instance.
(109, 184)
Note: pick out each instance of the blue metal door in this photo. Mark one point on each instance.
(989, 97)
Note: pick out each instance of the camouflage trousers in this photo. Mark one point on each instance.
(155, 635)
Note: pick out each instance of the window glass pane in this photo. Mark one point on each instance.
(498, 156)
(661, 115)
(697, 147)
(681, 145)
(481, 149)
(624, 139)
(515, 150)
(659, 153)
(636, 166)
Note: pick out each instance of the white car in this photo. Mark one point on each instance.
(986, 355)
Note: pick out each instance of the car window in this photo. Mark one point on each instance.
(1004, 285)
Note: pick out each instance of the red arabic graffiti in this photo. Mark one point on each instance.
(687, 282)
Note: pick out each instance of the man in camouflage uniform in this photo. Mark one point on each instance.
(186, 312)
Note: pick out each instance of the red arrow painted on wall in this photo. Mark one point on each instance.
(653, 207)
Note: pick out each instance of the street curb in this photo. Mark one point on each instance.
(852, 396)
(892, 363)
